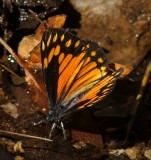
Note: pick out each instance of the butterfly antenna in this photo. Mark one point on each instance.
(52, 129)
(63, 130)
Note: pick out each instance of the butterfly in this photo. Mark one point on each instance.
(76, 74)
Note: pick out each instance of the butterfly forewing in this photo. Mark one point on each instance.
(56, 52)
(75, 71)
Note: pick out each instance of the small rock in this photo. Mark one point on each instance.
(147, 154)
(133, 153)
(116, 152)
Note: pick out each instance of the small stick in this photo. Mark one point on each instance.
(139, 97)
(9, 70)
(19, 61)
(2, 132)
(35, 15)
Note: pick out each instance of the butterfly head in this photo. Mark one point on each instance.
(55, 115)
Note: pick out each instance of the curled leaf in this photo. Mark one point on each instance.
(29, 47)
(116, 66)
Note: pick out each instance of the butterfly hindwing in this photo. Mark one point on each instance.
(100, 90)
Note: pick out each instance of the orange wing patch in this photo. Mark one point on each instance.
(68, 43)
(93, 53)
(43, 46)
(65, 62)
(57, 50)
(49, 39)
(66, 70)
(51, 55)
(61, 57)
(77, 43)
(100, 60)
(87, 68)
(87, 61)
(45, 63)
(62, 37)
(55, 37)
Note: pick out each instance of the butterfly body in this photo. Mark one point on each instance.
(55, 115)
(76, 73)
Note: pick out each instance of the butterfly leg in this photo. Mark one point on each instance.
(42, 121)
(63, 130)
(52, 129)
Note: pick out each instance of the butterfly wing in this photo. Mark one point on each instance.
(75, 71)
(56, 53)
(71, 66)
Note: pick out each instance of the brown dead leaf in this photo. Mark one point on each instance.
(29, 48)
(85, 137)
(116, 66)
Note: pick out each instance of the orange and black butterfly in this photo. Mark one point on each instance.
(76, 74)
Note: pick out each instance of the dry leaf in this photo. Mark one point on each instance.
(29, 48)
(116, 66)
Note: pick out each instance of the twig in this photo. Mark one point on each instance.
(2, 132)
(139, 97)
(9, 70)
(19, 61)
(35, 15)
